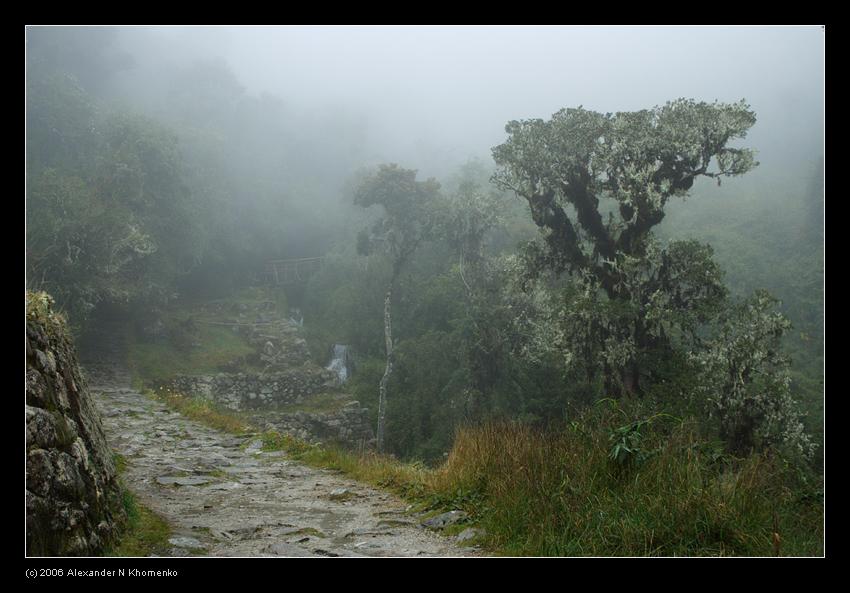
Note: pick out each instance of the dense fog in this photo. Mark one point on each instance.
(424, 90)
(504, 223)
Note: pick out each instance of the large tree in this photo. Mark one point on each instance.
(597, 184)
(408, 218)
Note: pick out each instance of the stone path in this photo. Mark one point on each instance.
(224, 497)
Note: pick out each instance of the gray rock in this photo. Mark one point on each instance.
(73, 499)
(41, 428)
(254, 446)
(372, 531)
(444, 519)
(186, 542)
(287, 549)
(225, 486)
(46, 360)
(183, 480)
(468, 534)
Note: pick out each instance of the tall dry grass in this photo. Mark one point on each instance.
(559, 492)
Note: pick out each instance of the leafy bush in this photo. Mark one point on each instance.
(746, 379)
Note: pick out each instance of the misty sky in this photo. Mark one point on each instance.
(453, 88)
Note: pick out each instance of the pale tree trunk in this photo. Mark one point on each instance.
(382, 388)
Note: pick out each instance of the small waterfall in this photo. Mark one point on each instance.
(295, 317)
(340, 362)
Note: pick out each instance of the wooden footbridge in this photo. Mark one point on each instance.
(281, 272)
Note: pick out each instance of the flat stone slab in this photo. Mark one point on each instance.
(395, 523)
(186, 542)
(287, 549)
(468, 534)
(183, 480)
(444, 519)
(370, 531)
(225, 486)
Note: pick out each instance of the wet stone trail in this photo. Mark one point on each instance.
(223, 496)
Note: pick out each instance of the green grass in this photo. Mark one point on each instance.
(159, 361)
(145, 533)
(41, 309)
(321, 402)
(192, 346)
(384, 471)
(202, 411)
(120, 463)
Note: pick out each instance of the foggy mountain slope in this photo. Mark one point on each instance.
(529, 240)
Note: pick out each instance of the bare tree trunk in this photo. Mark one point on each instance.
(630, 380)
(382, 388)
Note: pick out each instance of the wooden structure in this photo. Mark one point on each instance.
(292, 271)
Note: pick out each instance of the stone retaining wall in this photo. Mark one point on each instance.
(265, 398)
(243, 391)
(73, 498)
(350, 425)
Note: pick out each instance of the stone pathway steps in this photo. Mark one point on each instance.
(225, 497)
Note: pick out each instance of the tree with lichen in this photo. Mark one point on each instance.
(596, 185)
(408, 219)
(745, 379)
